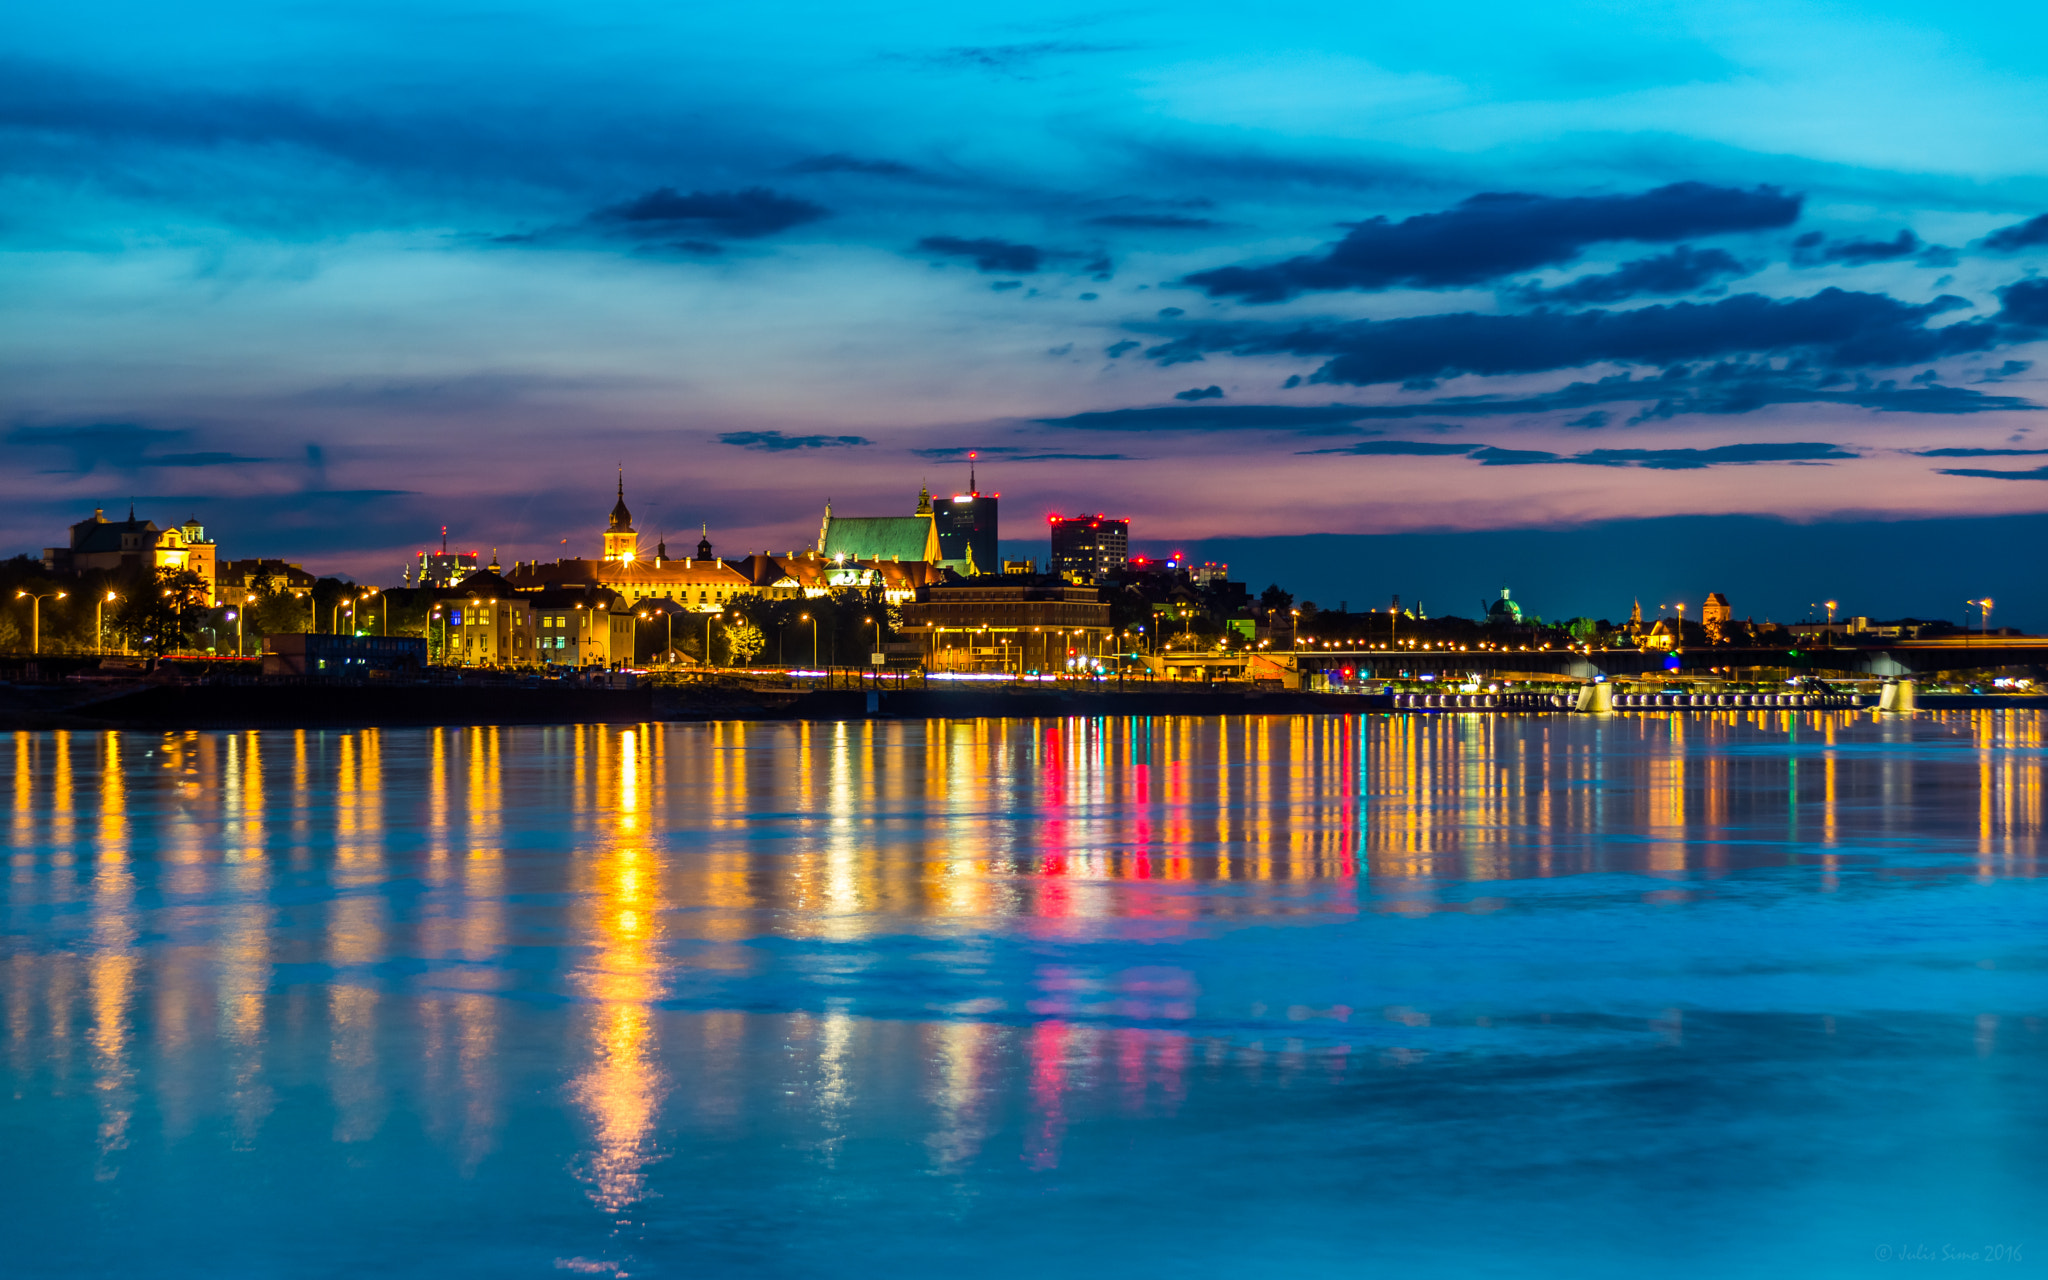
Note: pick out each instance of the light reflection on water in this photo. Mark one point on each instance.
(1260, 992)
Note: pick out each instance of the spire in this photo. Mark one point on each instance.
(971, 456)
(494, 559)
(622, 519)
(704, 543)
(924, 501)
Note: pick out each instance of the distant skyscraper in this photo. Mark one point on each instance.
(966, 524)
(1089, 548)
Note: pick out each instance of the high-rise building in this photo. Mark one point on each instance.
(966, 524)
(1089, 548)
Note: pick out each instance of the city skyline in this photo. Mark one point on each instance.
(338, 284)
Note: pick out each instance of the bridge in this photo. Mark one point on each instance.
(1894, 658)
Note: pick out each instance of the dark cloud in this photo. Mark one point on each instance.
(1836, 327)
(1683, 270)
(1493, 235)
(118, 446)
(1006, 453)
(2010, 369)
(1116, 349)
(2038, 473)
(840, 162)
(2025, 303)
(1154, 222)
(2021, 235)
(1396, 448)
(1975, 453)
(1726, 455)
(1492, 457)
(1199, 393)
(740, 215)
(1813, 249)
(988, 254)
(777, 442)
(1718, 389)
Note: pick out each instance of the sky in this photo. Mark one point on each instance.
(1437, 287)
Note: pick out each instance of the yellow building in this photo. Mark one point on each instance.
(485, 622)
(113, 545)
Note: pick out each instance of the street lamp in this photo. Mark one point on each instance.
(35, 611)
(235, 616)
(99, 624)
(805, 617)
(1984, 606)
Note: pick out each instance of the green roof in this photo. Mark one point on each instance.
(880, 538)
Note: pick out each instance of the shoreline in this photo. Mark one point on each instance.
(159, 706)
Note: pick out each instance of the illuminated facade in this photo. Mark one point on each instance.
(1089, 549)
(487, 622)
(131, 544)
(1009, 624)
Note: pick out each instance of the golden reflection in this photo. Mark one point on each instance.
(356, 938)
(621, 1090)
(111, 978)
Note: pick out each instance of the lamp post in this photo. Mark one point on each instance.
(99, 623)
(235, 616)
(1984, 608)
(35, 612)
(805, 617)
(440, 614)
(707, 639)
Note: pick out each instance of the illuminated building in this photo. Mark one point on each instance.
(702, 583)
(1088, 549)
(966, 525)
(1503, 610)
(486, 622)
(1008, 623)
(1716, 616)
(444, 568)
(131, 544)
(241, 581)
(903, 539)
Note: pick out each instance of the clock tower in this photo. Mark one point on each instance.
(619, 540)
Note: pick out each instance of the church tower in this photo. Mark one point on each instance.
(619, 541)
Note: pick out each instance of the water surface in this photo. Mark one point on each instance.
(1448, 995)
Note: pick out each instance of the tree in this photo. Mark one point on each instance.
(745, 640)
(1274, 600)
(156, 615)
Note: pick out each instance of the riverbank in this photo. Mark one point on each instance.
(172, 706)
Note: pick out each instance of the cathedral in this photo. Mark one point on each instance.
(898, 559)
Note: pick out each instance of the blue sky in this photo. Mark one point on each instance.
(331, 277)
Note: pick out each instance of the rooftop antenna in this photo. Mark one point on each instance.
(971, 456)
(444, 539)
